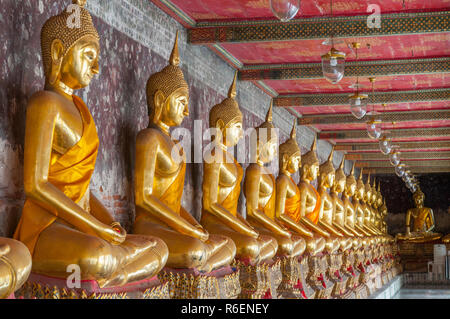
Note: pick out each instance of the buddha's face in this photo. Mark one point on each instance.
(176, 107)
(268, 151)
(313, 171)
(339, 185)
(367, 194)
(293, 163)
(350, 188)
(328, 179)
(233, 133)
(80, 64)
(418, 200)
(359, 194)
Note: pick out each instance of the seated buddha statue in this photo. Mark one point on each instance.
(62, 222)
(349, 209)
(15, 266)
(327, 176)
(260, 192)
(159, 178)
(310, 198)
(338, 220)
(368, 210)
(222, 178)
(423, 222)
(287, 205)
(359, 205)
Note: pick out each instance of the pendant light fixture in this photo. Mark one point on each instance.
(285, 10)
(357, 101)
(333, 62)
(374, 124)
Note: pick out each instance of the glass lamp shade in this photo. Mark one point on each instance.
(394, 158)
(333, 65)
(358, 105)
(400, 170)
(285, 10)
(385, 145)
(373, 128)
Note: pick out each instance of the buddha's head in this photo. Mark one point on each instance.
(290, 155)
(70, 54)
(168, 93)
(310, 163)
(339, 182)
(360, 191)
(226, 117)
(350, 182)
(266, 139)
(327, 172)
(418, 197)
(379, 196)
(373, 200)
(368, 191)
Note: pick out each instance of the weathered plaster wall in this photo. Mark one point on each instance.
(136, 40)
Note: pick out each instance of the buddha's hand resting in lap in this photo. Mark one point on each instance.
(201, 233)
(4, 249)
(113, 234)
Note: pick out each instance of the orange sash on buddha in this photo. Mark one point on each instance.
(71, 174)
(269, 208)
(292, 205)
(230, 203)
(314, 215)
(172, 196)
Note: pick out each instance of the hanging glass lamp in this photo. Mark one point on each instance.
(333, 65)
(385, 145)
(285, 10)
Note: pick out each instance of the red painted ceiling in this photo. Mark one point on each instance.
(373, 48)
(211, 10)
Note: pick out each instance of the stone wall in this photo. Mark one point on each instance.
(136, 40)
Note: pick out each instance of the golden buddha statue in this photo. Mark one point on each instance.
(287, 205)
(368, 210)
(360, 209)
(423, 222)
(338, 205)
(327, 176)
(260, 192)
(222, 185)
(349, 209)
(15, 266)
(159, 179)
(62, 222)
(310, 199)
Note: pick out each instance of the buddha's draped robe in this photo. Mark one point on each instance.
(70, 173)
(292, 205)
(314, 215)
(230, 203)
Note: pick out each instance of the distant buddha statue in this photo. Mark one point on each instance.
(159, 179)
(327, 176)
(260, 192)
(310, 198)
(62, 222)
(339, 207)
(423, 222)
(222, 186)
(349, 209)
(287, 208)
(15, 266)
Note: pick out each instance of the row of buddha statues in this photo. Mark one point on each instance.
(64, 223)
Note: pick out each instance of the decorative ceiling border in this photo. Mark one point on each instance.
(353, 68)
(397, 133)
(389, 97)
(406, 116)
(350, 147)
(319, 28)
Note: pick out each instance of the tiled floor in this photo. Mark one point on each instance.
(408, 293)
